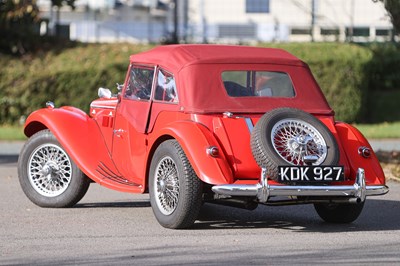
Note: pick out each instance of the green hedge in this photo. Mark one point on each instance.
(68, 77)
(383, 83)
(338, 69)
(352, 77)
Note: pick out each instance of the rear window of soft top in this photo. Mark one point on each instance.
(250, 83)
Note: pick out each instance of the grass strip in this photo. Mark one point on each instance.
(370, 131)
(380, 131)
(11, 133)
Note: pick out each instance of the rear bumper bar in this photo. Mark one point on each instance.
(358, 191)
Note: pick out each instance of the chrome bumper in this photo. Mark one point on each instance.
(263, 191)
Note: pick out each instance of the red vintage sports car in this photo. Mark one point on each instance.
(204, 123)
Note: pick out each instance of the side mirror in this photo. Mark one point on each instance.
(104, 93)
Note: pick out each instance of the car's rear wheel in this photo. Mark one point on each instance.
(339, 213)
(175, 190)
(48, 176)
(285, 136)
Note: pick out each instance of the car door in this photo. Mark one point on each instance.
(131, 120)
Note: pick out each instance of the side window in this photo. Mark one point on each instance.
(165, 87)
(139, 83)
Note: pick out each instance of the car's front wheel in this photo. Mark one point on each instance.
(339, 213)
(48, 176)
(175, 190)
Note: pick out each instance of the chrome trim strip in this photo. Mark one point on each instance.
(102, 106)
(263, 190)
(248, 121)
(249, 124)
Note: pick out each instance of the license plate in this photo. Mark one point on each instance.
(311, 173)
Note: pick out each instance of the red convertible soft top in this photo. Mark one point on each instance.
(176, 57)
(197, 69)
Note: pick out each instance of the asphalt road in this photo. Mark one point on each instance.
(113, 228)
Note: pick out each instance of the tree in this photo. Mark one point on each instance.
(393, 8)
(18, 25)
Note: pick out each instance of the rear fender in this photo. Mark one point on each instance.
(351, 140)
(194, 139)
(81, 138)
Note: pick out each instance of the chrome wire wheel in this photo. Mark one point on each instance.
(174, 188)
(293, 139)
(166, 186)
(49, 170)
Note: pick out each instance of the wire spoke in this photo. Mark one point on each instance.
(167, 185)
(293, 139)
(49, 170)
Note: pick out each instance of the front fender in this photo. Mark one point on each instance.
(351, 139)
(55, 120)
(79, 135)
(195, 138)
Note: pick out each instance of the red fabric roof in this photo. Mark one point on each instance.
(197, 70)
(175, 57)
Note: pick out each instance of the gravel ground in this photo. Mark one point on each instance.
(390, 162)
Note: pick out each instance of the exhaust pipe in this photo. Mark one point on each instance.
(236, 203)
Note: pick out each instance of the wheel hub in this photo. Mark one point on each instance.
(46, 170)
(293, 139)
(303, 139)
(299, 143)
(49, 170)
(162, 187)
(167, 186)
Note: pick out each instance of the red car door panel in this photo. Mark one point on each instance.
(131, 120)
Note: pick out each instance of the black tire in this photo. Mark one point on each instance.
(263, 148)
(171, 176)
(339, 213)
(47, 175)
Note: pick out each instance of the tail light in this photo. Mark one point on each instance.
(364, 151)
(212, 151)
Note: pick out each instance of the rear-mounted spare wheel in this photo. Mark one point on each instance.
(284, 136)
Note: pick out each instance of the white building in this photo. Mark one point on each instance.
(227, 20)
(110, 20)
(289, 20)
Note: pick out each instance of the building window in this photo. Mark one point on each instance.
(383, 32)
(237, 31)
(358, 32)
(335, 32)
(257, 6)
(298, 31)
